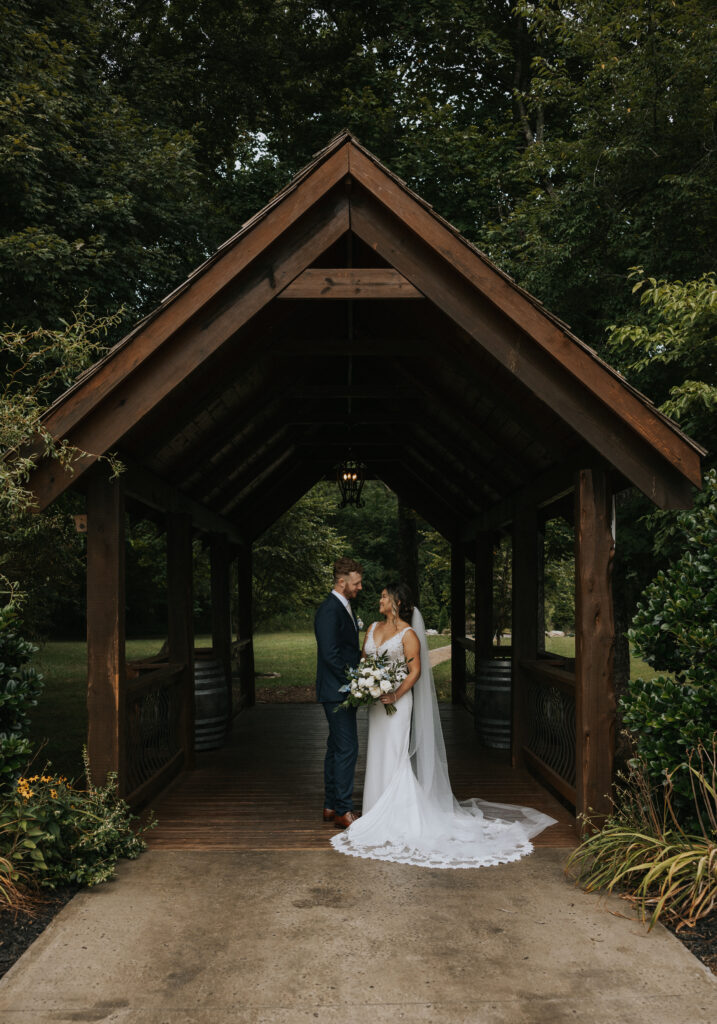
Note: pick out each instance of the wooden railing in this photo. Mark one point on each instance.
(550, 746)
(154, 740)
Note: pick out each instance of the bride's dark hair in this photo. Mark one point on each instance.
(401, 600)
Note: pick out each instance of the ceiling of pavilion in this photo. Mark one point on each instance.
(392, 381)
(449, 411)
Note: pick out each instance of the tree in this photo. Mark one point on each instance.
(675, 631)
(93, 199)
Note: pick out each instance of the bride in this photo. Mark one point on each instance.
(409, 812)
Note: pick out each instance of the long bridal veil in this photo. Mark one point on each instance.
(418, 821)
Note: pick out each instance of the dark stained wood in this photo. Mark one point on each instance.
(544, 490)
(524, 627)
(245, 625)
(154, 492)
(432, 507)
(458, 623)
(408, 549)
(484, 594)
(350, 283)
(594, 641)
(106, 668)
(221, 270)
(193, 342)
(180, 615)
(648, 464)
(522, 310)
(264, 789)
(220, 563)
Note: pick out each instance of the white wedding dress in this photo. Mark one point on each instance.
(409, 812)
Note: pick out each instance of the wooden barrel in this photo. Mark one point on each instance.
(211, 703)
(492, 702)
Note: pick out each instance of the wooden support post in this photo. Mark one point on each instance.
(220, 561)
(408, 549)
(484, 596)
(245, 626)
(180, 624)
(525, 618)
(594, 641)
(458, 623)
(540, 603)
(106, 669)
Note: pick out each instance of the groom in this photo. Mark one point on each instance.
(337, 641)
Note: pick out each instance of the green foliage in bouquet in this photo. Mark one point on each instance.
(53, 834)
(20, 686)
(675, 631)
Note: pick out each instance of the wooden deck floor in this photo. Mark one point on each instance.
(264, 789)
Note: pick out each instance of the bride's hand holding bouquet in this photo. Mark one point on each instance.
(372, 679)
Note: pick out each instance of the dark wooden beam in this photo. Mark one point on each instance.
(484, 595)
(458, 623)
(350, 283)
(544, 491)
(524, 639)
(637, 442)
(220, 559)
(156, 493)
(594, 642)
(434, 509)
(106, 664)
(245, 625)
(180, 616)
(192, 343)
(263, 509)
(592, 382)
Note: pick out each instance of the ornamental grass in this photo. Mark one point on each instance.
(643, 852)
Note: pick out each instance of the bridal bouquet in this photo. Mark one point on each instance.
(374, 676)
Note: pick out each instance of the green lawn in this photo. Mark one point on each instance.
(60, 719)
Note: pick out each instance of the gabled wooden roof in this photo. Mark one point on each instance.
(347, 313)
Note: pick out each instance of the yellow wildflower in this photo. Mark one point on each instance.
(53, 794)
(46, 778)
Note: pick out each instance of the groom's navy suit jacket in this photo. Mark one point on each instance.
(337, 646)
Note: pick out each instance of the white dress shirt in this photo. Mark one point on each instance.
(344, 601)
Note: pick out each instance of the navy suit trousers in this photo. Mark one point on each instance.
(341, 756)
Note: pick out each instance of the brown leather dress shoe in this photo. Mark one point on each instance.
(329, 815)
(344, 820)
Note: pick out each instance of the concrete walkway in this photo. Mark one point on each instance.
(307, 937)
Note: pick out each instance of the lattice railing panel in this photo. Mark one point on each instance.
(551, 714)
(154, 711)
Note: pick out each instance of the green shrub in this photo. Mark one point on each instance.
(642, 851)
(675, 631)
(20, 686)
(54, 834)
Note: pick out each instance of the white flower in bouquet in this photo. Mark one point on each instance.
(386, 686)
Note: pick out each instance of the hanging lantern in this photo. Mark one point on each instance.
(351, 476)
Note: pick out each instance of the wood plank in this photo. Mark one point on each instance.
(264, 789)
(245, 625)
(180, 619)
(620, 441)
(220, 562)
(484, 595)
(458, 623)
(594, 641)
(192, 344)
(106, 668)
(549, 775)
(525, 622)
(584, 366)
(350, 283)
(153, 491)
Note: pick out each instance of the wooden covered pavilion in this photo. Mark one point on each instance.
(348, 316)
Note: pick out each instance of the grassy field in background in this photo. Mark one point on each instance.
(60, 719)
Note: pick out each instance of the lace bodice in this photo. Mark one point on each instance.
(393, 646)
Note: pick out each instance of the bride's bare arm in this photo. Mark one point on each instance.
(412, 650)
